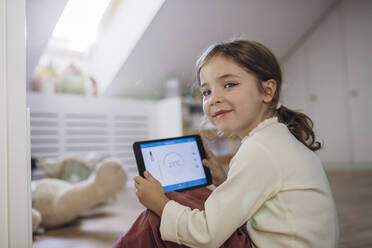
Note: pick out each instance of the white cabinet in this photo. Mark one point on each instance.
(294, 88)
(358, 45)
(328, 77)
(325, 60)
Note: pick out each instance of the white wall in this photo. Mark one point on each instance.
(328, 77)
(169, 118)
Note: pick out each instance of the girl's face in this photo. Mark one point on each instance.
(231, 98)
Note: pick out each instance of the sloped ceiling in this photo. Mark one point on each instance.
(183, 28)
(41, 18)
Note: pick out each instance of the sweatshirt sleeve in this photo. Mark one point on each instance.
(252, 179)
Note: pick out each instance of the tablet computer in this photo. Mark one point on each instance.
(175, 162)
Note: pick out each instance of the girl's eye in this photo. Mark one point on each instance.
(206, 92)
(230, 85)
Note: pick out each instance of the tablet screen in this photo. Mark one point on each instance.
(175, 163)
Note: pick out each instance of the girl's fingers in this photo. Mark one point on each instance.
(149, 177)
(206, 163)
(210, 164)
(138, 180)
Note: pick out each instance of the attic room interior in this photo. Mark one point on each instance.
(97, 76)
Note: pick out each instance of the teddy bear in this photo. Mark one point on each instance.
(56, 202)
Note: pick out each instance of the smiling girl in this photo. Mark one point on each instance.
(275, 188)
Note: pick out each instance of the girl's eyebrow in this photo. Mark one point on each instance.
(220, 77)
(227, 75)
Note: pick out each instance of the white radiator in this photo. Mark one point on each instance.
(67, 124)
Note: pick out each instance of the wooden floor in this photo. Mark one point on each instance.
(353, 196)
(102, 226)
(96, 228)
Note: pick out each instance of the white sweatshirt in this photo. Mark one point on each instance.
(275, 184)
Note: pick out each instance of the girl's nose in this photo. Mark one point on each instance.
(215, 97)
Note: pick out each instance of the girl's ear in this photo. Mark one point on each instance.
(269, 87)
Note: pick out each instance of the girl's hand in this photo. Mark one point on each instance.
(150, 193)
(218, 173)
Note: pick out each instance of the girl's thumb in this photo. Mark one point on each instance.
(147, 175)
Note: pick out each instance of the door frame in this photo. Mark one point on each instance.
(15, 175)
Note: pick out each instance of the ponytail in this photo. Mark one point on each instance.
(300, 125)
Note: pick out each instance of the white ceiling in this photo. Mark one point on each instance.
(182, 29)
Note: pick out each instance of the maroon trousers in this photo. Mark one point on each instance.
(145, 232)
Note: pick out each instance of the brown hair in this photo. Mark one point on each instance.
(259, 60)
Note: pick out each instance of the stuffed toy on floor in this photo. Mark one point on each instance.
(56, 202)
(72, 168)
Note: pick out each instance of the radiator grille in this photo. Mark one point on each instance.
(63, 125)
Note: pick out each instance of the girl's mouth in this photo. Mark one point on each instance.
(221, 113)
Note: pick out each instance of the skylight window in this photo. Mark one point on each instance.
(113, 26)
(77, 28)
